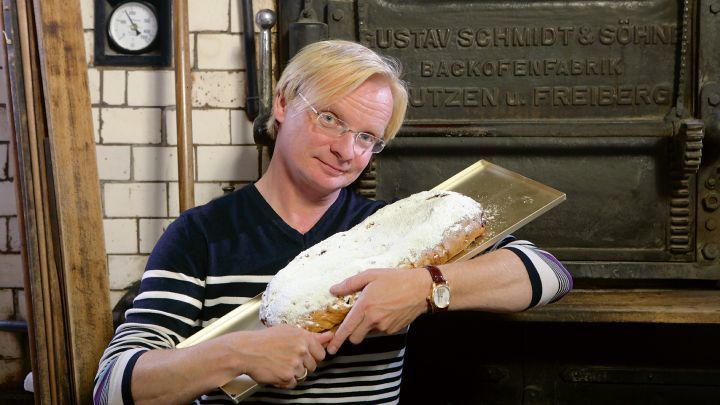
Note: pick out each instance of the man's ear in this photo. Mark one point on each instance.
(279, 107)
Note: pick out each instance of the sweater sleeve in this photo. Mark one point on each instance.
(165, 312)
(549, 279)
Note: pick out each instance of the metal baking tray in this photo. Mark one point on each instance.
(510, 201)
(244, 317)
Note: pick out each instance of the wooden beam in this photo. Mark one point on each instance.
(46, 330)
(59, 211)
(629, 305)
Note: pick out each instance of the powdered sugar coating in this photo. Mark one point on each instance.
(397, 235)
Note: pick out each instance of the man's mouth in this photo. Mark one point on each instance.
(333, 168)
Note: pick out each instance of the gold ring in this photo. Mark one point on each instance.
(303, 377)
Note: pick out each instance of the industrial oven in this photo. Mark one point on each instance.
(615, 103)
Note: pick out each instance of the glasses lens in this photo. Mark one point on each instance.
(378, 146)
(365, 141)
(328, 121)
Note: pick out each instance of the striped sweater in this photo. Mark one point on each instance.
(217, 256)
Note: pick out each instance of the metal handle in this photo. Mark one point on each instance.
(265, 19)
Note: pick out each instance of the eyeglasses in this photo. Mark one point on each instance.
(334, 126)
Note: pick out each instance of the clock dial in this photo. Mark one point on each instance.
(441, 296)
(133, 26)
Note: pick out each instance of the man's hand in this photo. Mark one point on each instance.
(280, 355)
(390, 300)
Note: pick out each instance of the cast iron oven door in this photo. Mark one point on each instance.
(606, 101)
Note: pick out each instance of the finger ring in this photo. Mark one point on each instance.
(303, 377)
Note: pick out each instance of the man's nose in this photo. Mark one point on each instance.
(344, 146)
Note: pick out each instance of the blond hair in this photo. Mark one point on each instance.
(327, 71)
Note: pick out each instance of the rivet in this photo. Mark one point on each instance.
(711, 201)
(715, 8)
(714, 99)
(711, 182)
(711, 224)
(338, 15)
(710, 251)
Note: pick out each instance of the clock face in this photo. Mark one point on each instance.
(133, 27)
(441, 296)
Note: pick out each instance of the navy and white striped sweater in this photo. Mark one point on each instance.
(217, 256)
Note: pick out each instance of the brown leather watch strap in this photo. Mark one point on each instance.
(437, 278)
(436, 274)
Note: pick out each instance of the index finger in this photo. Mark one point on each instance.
(352, 284)
(352, 320)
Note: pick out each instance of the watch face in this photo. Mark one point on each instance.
(441, 296)
(133, 26)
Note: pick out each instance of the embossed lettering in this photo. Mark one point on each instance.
(484, 37)
(454, 96)
(625, 34)
(522, 67)
(560, 96)
(405, 37)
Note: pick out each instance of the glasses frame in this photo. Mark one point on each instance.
(342, 128)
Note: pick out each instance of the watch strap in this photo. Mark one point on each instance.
(436, 274)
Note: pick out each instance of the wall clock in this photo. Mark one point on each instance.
(133, 32)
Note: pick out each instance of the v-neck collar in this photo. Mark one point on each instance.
(278, 221)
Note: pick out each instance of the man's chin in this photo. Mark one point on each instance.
(332, 184)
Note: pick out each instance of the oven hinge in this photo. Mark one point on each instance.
(688, 144)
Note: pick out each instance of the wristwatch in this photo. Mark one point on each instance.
(439, 298)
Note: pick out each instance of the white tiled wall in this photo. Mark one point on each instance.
(209, 15)
(135, 132)
(148, 88)
(137, 136)
(220, 52)
(130, 125)
(113, 162)
(221, 89)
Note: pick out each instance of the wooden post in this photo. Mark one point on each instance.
(60, 209)
(183, 102)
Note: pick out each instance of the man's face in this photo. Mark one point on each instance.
(325, 163)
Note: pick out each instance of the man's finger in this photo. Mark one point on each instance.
(317, 349)
(309, 363)
(351, 284)
(352, 320)
(324, 338)
(359, 333)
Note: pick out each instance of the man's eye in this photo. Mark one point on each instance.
(327, 119)
(365, 138)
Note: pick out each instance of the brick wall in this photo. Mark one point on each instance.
(135, 134)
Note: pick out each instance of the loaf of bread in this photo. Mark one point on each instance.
(429, 227)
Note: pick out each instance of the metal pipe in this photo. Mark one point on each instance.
(183, 102)
(14, 326)
(251, 101)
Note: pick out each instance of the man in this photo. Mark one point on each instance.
(336, 103)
